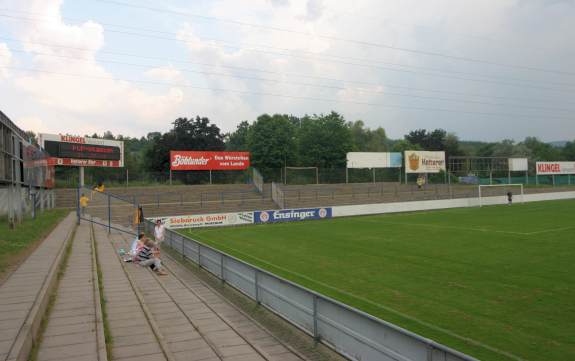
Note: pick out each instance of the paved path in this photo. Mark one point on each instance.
(131, 333)
(196, 323)
(25, 294)
(73, 331)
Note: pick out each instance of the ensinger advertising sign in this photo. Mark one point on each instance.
(290, 215)
(424, 161)
(192, 160)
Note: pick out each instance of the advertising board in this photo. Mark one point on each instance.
(373, 160)
(290, 215)
(424, 162)
(199, 160)
(207, 220)
(554, 168)
(67, 150)
(518, 164)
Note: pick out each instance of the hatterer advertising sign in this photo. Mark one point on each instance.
(424, 162)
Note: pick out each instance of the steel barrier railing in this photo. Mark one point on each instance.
(349, 331)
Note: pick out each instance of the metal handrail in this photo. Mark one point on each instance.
(456, 355)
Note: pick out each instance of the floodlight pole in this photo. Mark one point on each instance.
(373, 169)
(81, 177)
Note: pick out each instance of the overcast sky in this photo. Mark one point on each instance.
(486, 70)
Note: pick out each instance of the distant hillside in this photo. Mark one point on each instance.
(559, 143)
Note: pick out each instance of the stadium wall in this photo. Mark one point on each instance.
(301, 214)
(366, 209)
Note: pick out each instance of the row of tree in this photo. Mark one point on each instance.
(323, 140)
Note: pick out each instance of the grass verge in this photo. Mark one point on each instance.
(16, 244)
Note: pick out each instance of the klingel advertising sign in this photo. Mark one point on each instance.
(553, 168)
(424, 162)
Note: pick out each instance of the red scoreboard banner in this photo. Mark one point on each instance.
(191, 160)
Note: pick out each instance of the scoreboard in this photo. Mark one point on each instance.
(82, 151)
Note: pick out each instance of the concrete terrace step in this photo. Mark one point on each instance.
(74, 329)
(193, 322)
(25, 295)
(132, 333)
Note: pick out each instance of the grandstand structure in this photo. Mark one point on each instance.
(25, 177)
(162, 201)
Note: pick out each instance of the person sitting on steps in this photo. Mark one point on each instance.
(149, 256)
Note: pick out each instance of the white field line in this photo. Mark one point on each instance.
(386, 308)
(448, 227)
(551, 230)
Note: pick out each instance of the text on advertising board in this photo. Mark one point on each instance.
(208, 220)
(290, 215)
(191, 160)
(551, 168)
(424, 161)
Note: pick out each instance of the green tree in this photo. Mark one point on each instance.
(541, 151)
(272, 141)
(187, 134)
(238, 140)
(367, 140)
(569, 151)
(324, 141)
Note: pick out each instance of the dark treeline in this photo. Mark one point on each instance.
(323, 140)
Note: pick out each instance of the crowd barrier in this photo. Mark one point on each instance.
(351, 332)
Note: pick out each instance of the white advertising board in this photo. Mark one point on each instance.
(424, 162)
(207, 220)
(552, 168)
(373, 160)
(518, 164)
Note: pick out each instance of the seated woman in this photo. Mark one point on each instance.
(149, 256)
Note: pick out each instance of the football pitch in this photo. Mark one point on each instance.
(495, 282)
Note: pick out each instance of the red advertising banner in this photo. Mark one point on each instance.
(191, 160)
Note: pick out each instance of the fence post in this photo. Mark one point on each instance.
(222, 258)
(33, 205)
(158, 200)
(183, 247)
(315, 329)
(200, 255)
(257, 286)
(109, 215)
(181, 199)
(78, 205)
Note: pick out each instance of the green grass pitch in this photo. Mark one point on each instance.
(495, 282)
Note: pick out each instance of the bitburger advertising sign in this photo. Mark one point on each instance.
(192, 160)
(208, 220)
(424, 162)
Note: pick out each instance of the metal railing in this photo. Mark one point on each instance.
(278, 195)
(258, 180)
(349, 331)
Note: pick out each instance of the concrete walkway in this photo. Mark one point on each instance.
(25, 294)
(74, 329)
(131, 331)
(196, 323)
